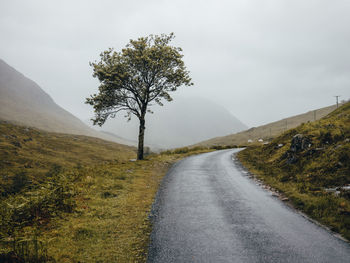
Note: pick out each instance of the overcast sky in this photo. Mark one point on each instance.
(261, 59)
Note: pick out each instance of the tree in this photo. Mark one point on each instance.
(145, 71)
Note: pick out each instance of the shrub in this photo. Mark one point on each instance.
(32, 208)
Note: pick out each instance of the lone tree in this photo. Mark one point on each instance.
(143, 72)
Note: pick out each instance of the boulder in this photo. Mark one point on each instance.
(300, 143)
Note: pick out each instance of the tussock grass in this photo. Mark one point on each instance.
(324, 164)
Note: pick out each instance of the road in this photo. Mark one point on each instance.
(207, 210)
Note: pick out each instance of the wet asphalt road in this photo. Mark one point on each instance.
(207, 210)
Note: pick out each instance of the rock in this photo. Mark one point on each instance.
(285, 199)
(132, 160)
(280, 145)
(347, 140)
(291, 159)
(300, 143)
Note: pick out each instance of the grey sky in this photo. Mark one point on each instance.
(261, 59)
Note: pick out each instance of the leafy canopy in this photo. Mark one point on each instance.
(143, 72)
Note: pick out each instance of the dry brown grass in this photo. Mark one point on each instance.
(110, 195)
(268, 131)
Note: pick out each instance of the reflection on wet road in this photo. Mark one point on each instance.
(208, 211)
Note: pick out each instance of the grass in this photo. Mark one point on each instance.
(110, 222)
(305, 175)
(34, 153)
(267, 132)
(68, 198)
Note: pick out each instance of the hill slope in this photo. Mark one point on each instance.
(22, 101)
(74, 198)
(34, 152)
(311, 165)
(268, 131)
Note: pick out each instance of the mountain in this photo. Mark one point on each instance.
(268, 131)
(179, 123)
(22, 101)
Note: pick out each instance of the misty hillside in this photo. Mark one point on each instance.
(268, 131)
(23, 101)
(181, 122)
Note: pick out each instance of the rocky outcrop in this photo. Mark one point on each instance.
(300, 143)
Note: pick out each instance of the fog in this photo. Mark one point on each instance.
(185, 121)
(261, 60)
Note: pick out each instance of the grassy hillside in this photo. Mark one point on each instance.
(311, 165)
(34, 153)
(268, 131)
(23, 102)
(69, 198)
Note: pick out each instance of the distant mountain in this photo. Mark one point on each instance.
(179, 123)
(268, 131)
(22, 101)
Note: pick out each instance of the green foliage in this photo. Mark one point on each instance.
(33, 208)
(185, 150)
(321, 165)
(146, 70)
(16, 183)
(143, 72)
(31, 250)
(182, 150)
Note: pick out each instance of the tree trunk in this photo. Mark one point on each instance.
(141, 139)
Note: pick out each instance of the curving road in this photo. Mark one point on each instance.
(207, 211)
